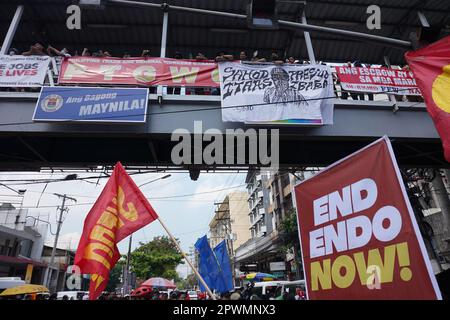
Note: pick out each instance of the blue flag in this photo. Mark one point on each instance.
(209, 267)
(223, 259)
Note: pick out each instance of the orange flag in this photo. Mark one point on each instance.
(120, 210)
(431, 68)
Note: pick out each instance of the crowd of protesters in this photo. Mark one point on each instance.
(274, 57)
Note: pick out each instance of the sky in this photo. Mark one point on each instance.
(187, 214)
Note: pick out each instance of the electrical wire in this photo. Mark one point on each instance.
(151, 199)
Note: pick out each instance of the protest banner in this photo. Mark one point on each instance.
(261, 92)
(23, 71)
(139, 71)
(358, 233)
(378, 80)
(121, 105)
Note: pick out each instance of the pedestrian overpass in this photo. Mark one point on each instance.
(318, 30)
(25, 145)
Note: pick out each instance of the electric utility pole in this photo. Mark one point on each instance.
(62, 209)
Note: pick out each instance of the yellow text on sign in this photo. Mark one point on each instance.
(345, 269)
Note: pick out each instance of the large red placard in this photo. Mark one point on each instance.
(359, 236)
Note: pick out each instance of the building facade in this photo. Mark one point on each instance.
(270, 202)
(230, 222)
(21, 245)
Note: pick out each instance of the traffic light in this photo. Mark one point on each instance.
(262, 14)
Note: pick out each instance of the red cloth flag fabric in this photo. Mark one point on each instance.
(431, 68)
(120, 210)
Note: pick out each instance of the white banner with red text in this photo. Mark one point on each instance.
(378, 80)
(23, 71)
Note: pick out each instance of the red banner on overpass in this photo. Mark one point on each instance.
(139, 71)
(378, 80)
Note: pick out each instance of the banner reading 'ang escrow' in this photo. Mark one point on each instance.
(23, 71)
(378, 80)
(358, 232)
(254, 92)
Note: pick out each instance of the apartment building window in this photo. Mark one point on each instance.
(285, 180)
(25, 248)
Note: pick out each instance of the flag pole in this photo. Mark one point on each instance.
(187, 260)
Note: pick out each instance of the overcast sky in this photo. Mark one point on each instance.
(187, 217)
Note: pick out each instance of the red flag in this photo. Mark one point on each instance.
(431, 68)
(120, 210)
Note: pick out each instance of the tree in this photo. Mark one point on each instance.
(188, 283)
(157, 258)
(289, 236)
(289, 229)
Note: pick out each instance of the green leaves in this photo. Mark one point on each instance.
(157, 258)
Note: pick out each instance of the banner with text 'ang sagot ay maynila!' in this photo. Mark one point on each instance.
(270, 92)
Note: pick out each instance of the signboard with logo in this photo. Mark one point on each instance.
(139, 71)
(358, 232)
(122, 105)
(23, 71)
(378, 80)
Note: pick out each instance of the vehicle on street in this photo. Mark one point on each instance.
(266, 290)
(71, 295)
(291, 290)
(10, 282)
(193, 295)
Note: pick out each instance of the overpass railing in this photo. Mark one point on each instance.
(211, 93)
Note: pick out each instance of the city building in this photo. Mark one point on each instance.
(21, 244)
(266, 209)
(63, 261)
(434, 204)
(270, 201)
(230, 222)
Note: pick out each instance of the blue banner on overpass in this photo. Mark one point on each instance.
(122, 105)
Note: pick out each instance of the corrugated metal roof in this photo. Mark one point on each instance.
(137, 28)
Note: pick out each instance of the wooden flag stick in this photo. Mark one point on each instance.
(187, 260)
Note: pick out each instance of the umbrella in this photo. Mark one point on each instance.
(24, 289)
(259, 276)
(158, 283)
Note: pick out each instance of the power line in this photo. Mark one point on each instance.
(151, 199)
